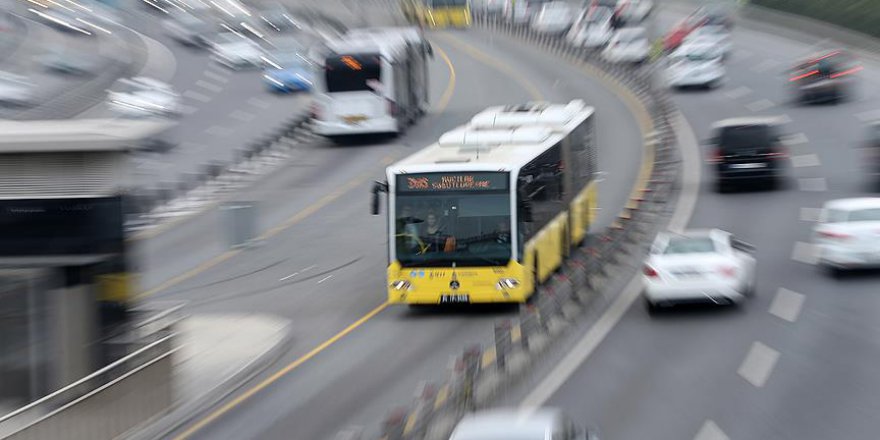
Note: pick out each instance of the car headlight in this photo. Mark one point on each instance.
(401, 285)
(507, 283)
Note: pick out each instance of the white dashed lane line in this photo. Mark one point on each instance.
(805, 253)
(201, 97)
(258, 103)
(810, 214)
(795, 139)
(787, 305)
(710, 431)
(814, 184)
(758, 364)
(805, 160)
(761, 104)
(325, 279)
(209, 86)
(738, 92)
(214, 76)
(242, 116)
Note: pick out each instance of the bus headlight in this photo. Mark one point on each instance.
(507, 283)
(401, 285)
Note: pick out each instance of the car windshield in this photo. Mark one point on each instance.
(689, 245)
(468, 228)
(746, 137)
(864, 215)
(352, 73)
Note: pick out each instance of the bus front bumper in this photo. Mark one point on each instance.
(369, 126)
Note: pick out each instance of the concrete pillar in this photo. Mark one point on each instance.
(75, 333)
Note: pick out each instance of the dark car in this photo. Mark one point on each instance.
(825, 77)
(748, 150)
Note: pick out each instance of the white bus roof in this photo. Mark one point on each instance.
(386, 45)
(529, 114)
(483, 147)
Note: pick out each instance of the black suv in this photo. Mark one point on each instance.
(827, 77)
(747, 150)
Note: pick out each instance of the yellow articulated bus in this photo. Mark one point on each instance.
(492, 209)
(438, 13)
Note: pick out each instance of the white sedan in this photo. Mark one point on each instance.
(704, 266)
(141, 97)
(236, 51)
(593, 28)
(847, 235)
(695, 65)
(715, 35)
(628, 45)
(553, 18)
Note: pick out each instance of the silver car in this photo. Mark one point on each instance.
(514, 424)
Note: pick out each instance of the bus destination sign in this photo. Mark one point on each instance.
(476, 181)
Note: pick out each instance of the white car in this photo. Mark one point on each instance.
(592, 29)
(187, 29)
(847, 235)
(635, 11)
(715, 35)
(490, 7)
(705, 266)
(141, 97)
(553, 18)
(16, 90)
(521, 11)
(236, 51)
(695, 65)
(515, 424)
(628, 45)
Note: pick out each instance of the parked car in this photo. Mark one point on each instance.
(698, 266)
(847, 235)
(522, 11)
(592, 28)
(675, 37)
(510, 424)
(824, 77)
(696, 65)
(16, 90)
(554, 18)
(714, 35)
(628, 45)
(634, 11)
(142, 96)
(748, 150)
(236, 51)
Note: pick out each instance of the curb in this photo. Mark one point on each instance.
(180, 415)
(479, 373)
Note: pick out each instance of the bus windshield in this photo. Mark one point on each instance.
(468, 226)
(352, 73)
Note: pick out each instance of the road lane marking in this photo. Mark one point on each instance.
(289, 276)
(868, 116)
(738, 92)
(710, 431)
(805, 160)
(310, 268)
(325, 279)
(258, 103)
(242, 116)
(450, 86)
(810, 214)
(813, 184)
(279, 374)
(209, 86)
(219, 131)
(787, 304)
(761, 104)
(214, 76)
(201, 97)
(758, 364)
(795, 139)
(805, 253)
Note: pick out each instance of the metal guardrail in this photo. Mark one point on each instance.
(478, 372)
(104, 404)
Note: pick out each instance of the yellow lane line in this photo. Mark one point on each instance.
(280, 373)
(450, 85)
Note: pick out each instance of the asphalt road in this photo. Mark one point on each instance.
(795, 362)
(325, 269)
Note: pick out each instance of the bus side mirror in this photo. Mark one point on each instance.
(378, 187)
(430, 49)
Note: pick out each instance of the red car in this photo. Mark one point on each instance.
(683, 28)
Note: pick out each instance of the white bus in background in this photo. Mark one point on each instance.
(374, 81)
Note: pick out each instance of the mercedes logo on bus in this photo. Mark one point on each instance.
(454, 285)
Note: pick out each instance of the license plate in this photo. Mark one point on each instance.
(455, 299)
(354, 119)
(748, 166)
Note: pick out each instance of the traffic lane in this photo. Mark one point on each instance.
(619, 143)
(391, 376)
(315, 172)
